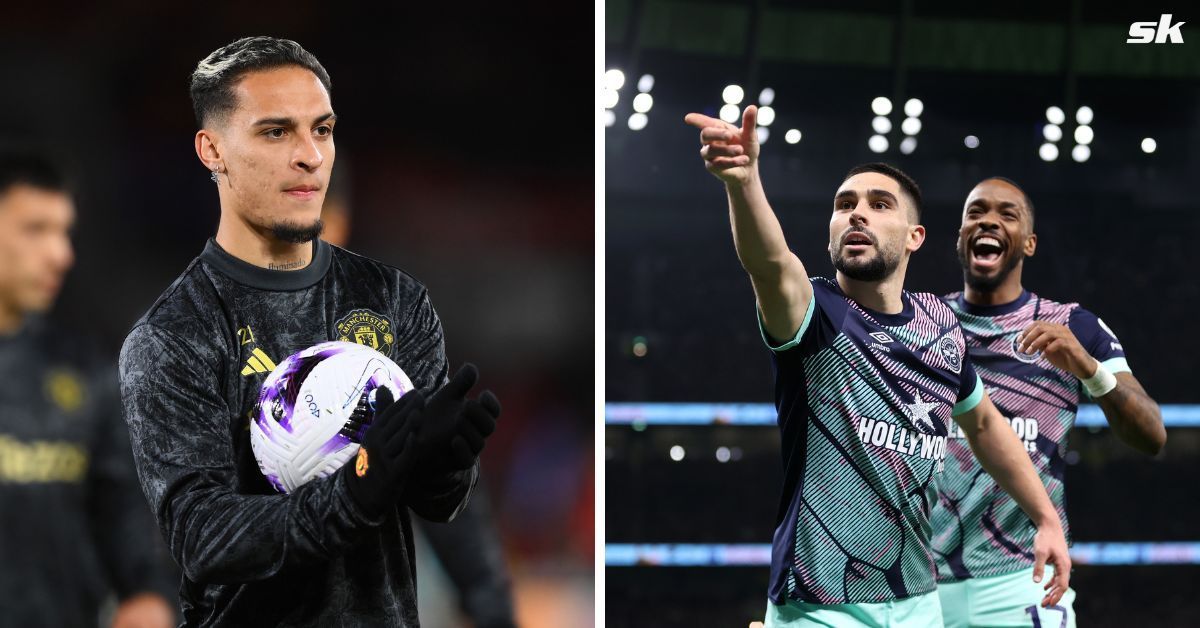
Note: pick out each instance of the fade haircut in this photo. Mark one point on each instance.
(906, 182)
(214, 78)
(32, 169)
(1024, 194)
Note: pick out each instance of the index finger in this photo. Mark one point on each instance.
(701, 121)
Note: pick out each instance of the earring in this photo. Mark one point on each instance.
(214, 176)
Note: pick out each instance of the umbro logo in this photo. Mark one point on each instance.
(882, 337)
(258, 363)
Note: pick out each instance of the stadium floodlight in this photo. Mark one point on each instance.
(1149, 145)
(792, 136)
(646, 83)
(766, 115)
(881, 106)
(731, 113)
(610, 118)
(766, 97)
(677, 453)
(609, 98)
(763, 134)
(971, 141)
(1084, 114)
(911, 126)
(913, 107)
(881, 124)
(1055, 115)
(877, 144)
(638, 121)
(643, 102)
(1048, 152)
(1052, 132)
(614, 79)
(1084, 134)
(1081, 153)
(733, 94)
(908, 145)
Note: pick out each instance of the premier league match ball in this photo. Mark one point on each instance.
(315, 407)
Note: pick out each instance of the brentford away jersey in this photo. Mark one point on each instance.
(979, 530)
(865, 400)
(191, 371)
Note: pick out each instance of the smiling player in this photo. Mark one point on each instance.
(867, 379)
(1039, 359)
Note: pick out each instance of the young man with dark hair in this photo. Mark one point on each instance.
(1039, 359)
(337, 550)
(73, 525)
(867, 379)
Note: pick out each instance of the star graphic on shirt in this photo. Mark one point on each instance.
(918, 412)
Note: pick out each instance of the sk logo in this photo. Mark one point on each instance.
(1159, 32)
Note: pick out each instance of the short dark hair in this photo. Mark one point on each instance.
(906, 182)
(213, 79)
(33, 169)
(1024, 194)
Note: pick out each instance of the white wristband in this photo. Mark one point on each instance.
(1100, 384)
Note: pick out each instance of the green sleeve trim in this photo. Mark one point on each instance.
(1117, 365)
(812, 304)
(972, 400)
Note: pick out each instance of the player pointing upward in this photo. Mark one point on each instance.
(867, 378)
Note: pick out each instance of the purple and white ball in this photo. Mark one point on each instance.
(315, 407)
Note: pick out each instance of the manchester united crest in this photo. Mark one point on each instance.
(366, 328)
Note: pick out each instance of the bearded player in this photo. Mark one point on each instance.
(1039, 359)
(867, 379)
(338, 550)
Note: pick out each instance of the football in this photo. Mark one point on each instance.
(314, 408)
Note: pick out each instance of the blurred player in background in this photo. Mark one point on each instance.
(1039, 359)
(337, 550)
(73, 524)
(469, 547)
(867, 378)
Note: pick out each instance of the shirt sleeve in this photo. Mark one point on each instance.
(180, 429)
(121, 523)
(1098, 340)
(970, 390)
(821, 320)
(422, 347)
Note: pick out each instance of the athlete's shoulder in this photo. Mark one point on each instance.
(65, 342)
(360, 267)
(189, 310)
(932, 305)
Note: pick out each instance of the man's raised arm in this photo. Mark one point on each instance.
(780, 282)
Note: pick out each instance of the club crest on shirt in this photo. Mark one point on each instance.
(366, 327)
(950, 352)
(1028, 358)
(64, 388)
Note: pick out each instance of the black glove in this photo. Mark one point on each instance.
(377, 475)
(452, 429)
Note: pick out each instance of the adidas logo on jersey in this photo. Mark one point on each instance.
(258, 363)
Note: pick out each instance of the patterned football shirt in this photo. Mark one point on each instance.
(979, 530)
(864, 401)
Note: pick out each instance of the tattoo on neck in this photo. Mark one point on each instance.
(285, 265)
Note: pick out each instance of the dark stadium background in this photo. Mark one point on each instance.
(1116, 233)
(466, 163)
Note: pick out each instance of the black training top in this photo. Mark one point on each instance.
(191, 370)
(73, 524)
